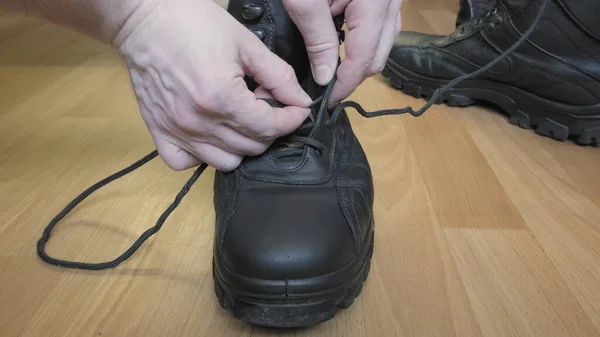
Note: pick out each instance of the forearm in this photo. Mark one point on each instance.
(101, 19)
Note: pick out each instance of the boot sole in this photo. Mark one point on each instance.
(260, 302)
(552, 119)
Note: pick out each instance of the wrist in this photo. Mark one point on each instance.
(103, 20)
(131, 16)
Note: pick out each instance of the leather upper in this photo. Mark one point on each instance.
(559, 62)
(301, 223)
(286, 217)
(585, 13)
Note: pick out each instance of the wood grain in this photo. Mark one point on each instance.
(483, 229)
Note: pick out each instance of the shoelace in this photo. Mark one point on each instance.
(321, 102)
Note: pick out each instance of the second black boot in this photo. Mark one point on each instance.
(550, 83)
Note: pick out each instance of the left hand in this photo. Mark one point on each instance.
(373, 25)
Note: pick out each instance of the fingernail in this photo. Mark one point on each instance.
(323, 74)
(305, 98)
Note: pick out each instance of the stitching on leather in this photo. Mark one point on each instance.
(568, 12)
(521, 10)
(442, 57)
(355, 223)
(450, 56)
(494, 49)
(450, 65)
(291, 169)
(561, 61)
(560, 79)
(227, 222)
(271, 23)
(345, 193)
(565, 36)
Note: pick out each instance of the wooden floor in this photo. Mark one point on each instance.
(483, 229)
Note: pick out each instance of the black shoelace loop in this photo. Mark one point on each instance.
(298, 139)
(41, 245)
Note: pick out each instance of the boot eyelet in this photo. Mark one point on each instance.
(461, 31)
(260, 34)
(252, 12)
(319, 152)
(496, 24)
(492, 12)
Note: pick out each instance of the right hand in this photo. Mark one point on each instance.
(373, 25)
(187, 60)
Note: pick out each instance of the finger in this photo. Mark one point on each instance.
(268, 123)
(315, 23)
(214, 156)
(235, 142)
(388, 36)
(337, 7)
(365, 25)
(271, 72)
(174, 156)
(261, 92)
(256, 119)
(399, 20)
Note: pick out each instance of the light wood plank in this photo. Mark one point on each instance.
(513, 286)
(564, 220)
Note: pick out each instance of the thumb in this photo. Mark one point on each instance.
(315, 23)
(271, 72)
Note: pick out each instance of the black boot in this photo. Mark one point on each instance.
(471, 9)
(294, 233)
(551, 82)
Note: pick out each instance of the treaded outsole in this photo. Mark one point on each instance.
(297, 313)
(542, 126)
